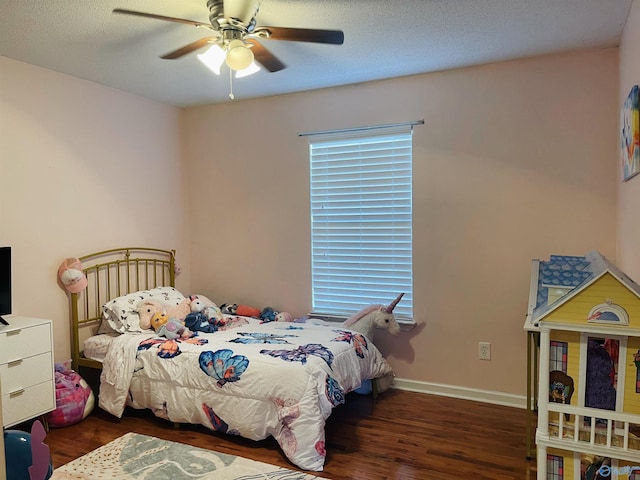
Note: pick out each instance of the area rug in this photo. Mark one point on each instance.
(140, 457)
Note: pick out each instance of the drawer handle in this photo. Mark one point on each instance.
(14, 363)
(16, 393)
(14, 332)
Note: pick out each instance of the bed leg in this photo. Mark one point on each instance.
(374, 388)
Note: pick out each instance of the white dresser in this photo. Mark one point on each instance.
(26, 369)
(3, 471)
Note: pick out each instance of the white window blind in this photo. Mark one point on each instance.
(361, 220)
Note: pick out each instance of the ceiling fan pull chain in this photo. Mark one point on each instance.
(231, 85)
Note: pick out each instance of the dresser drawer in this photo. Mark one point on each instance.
(20, 374)
(25, 404)
(19, 343)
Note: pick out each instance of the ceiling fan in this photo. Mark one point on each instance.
(235, 31)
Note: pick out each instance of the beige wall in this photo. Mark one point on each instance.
(629, 192)
(515, 161)
(82, 168)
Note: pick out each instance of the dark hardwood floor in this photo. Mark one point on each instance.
(400, 435)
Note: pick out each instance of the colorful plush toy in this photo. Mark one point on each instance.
(374, 316)
(229, 308)
(268, 314)
(247, 311)
(199, 322)
(242, 310)
(201, 304)
(228, 323)
(169, 327)
(147, 308)
(284, 317)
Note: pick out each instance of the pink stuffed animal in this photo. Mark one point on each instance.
(147, 308)
(284, 317)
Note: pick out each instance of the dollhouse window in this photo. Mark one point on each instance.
(555, 467)
(608, 313)
(556, 293)
(558, 356)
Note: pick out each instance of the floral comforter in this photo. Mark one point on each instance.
(257, 380)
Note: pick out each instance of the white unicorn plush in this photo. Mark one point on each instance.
(365, 322)
(372, 317)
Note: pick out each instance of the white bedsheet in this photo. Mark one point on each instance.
(278, 379)
(96, 347)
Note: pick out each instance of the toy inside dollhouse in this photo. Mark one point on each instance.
(588, 324)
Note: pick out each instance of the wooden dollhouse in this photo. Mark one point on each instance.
(586, 314)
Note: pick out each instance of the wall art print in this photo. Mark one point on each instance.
(630, 135)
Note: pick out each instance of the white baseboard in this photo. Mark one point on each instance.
(486, 396)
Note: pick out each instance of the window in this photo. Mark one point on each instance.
(555, 467)
(558, 356)
(361, 220)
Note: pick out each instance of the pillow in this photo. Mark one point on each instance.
(120, 315)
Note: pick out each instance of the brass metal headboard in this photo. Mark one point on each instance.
(110, 274)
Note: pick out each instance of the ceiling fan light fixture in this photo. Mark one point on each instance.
(250, 70)
(239, 56)
(213, 58)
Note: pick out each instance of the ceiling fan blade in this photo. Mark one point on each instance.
(162, 17)
(334, 37)
(189, 48)
(264, 57)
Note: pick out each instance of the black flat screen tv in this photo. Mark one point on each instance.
(5, 283)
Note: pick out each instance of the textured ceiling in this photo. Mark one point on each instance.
(383, 39)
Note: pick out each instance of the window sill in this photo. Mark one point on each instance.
(406, 325)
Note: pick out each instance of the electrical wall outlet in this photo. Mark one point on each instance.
(484, 351)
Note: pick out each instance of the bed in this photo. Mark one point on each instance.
(256, 379)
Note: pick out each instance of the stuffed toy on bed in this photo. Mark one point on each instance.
(268, 314)
(147, 308)
(239, 309)
(169, 327)
(201, 304)
(199, 322)
(284, 317)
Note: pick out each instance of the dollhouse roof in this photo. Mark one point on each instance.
(561, 271)
(573, 274)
